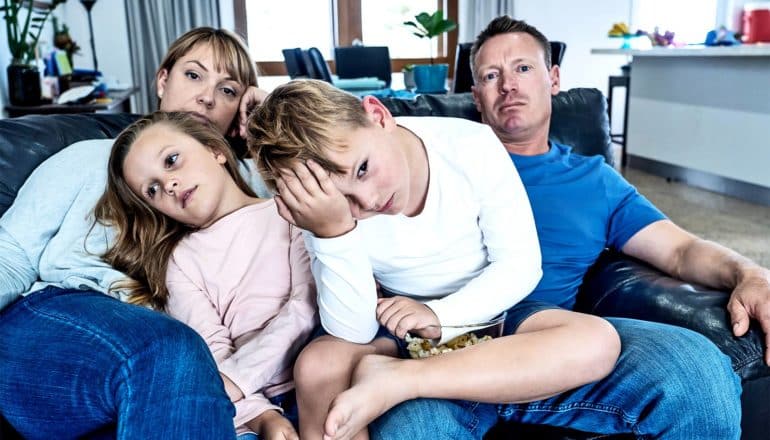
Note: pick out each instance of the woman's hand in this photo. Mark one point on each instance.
(251, 98)
(272, 425)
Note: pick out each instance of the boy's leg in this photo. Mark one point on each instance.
(74, 363)
(669, 383)
(322, 371)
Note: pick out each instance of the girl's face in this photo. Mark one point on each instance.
(195, 85)
(178, 176)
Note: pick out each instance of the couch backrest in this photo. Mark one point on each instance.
(578, 118)
(27, 141)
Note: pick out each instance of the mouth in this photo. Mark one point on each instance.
(512, 105)
(200, 117)
(387, 205)
(187, 195)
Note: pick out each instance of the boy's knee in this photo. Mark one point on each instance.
(324, 360)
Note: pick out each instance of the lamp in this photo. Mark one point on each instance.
(89, 4)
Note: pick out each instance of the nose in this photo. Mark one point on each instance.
(508, 83)
(361, 203)
(171, 185)
(206, 96)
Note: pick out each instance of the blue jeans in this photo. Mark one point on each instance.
(669, 382)
(82, 364)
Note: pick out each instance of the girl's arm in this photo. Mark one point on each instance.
(274, 348)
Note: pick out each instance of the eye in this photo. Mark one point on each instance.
(192, 74)
(524, 68)
(490, 76)
(152, 190)
(362, 169)
(229, 91)
(171, 160)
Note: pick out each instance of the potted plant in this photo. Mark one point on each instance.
(430, 78)
(23, 30)
(408, 72)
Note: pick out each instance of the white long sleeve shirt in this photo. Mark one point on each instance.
(471, 253)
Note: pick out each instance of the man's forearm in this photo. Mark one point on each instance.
(711, 264)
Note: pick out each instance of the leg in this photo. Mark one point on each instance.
(586, 348)
(318, 386)
(669, 382)
(76, 363)
(428, 419)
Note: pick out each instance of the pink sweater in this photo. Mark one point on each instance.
(244, 284)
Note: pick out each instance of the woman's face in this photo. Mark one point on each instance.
(195, 85)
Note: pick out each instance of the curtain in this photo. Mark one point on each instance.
(475, 15)
(152, 26)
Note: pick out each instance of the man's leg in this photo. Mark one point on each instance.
(74, 363)
(428, 419)
(669, 382)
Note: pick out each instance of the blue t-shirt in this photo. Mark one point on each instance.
(581, 206)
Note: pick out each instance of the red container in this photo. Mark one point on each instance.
(756, 23)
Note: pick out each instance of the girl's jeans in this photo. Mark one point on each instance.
(82, 364)
(669, 382)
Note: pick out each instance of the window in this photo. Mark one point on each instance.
(271, 26)
(690, 20)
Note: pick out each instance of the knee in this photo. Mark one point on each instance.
(599, 347)
(337, 358)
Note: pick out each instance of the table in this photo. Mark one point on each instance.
(121, 102)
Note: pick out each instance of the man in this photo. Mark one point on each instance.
(650, 393)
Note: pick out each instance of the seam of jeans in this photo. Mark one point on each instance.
(508, 410)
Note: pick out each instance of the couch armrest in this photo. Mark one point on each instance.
(621, 286)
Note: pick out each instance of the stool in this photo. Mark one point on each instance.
(621, 138)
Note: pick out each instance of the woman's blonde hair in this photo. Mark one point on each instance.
(296, 122)
(231, 54)
(144, 237)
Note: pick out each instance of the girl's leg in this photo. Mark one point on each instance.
(75, 363)
(553, 351)
(322, 371)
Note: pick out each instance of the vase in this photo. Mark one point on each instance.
(23, 84)
(409, 80)
(431, 78)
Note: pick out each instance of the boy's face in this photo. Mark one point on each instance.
(376, 179)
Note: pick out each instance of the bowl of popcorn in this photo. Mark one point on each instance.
(420, 348)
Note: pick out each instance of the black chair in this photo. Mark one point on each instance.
(319, 66)
(363, 61)
(296, 67)
(463, 79)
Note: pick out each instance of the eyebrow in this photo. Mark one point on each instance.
(227, 78)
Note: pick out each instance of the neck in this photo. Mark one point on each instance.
(526, 145)
(419, 171)
(233, 200)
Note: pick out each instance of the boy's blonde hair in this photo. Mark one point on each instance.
(299, 121)
(145, 238)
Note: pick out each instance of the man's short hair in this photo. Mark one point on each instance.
(299, 121)
(507, 25)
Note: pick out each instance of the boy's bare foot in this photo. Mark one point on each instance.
(377, 385)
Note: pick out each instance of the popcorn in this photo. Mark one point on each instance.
(420, 348)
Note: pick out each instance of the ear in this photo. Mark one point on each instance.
(377, 112)
(160, 82)
(476, 92)
(555, 80)
(218, 156)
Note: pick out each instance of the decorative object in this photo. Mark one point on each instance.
(408, 72)
(430, 78)
(89, 4)
(23, 32)
(63, 41)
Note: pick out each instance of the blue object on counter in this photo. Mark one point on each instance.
(721, 37)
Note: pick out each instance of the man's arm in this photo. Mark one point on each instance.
(687, 257)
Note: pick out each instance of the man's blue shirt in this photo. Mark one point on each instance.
(581, 206)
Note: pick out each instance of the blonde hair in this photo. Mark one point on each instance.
(231, 54)
(144, 237)
(296, 122)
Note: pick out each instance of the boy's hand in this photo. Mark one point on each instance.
(401, 315)
(271, 425)
(251, 98)
(308, 199)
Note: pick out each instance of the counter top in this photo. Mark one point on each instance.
(744, 50)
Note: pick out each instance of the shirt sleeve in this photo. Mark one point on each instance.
(274, 348)
(347, 294)
(250, 407)
(509, 234)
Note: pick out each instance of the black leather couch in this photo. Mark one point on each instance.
(616, 285)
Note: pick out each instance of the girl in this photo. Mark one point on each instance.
(194, 240)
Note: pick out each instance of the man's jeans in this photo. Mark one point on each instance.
(75, 363)
(669, 383)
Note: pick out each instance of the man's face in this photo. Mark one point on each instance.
(514, 87)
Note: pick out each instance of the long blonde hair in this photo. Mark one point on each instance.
(144, 237)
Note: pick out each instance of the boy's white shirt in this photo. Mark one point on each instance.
(471, 254)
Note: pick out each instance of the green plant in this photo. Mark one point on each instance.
(430, 26)
(408, 68)
(23, 34)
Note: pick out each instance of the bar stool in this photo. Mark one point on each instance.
(620, 138)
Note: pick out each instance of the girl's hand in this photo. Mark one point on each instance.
(401, 315)
(251, 98)
(271, 425)
(308, 199)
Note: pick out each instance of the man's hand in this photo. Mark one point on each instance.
(751, 299)
(401, 315)
(308, 199)
(251, 98)
(271, 425)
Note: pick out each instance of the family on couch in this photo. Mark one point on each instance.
(128, 370)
